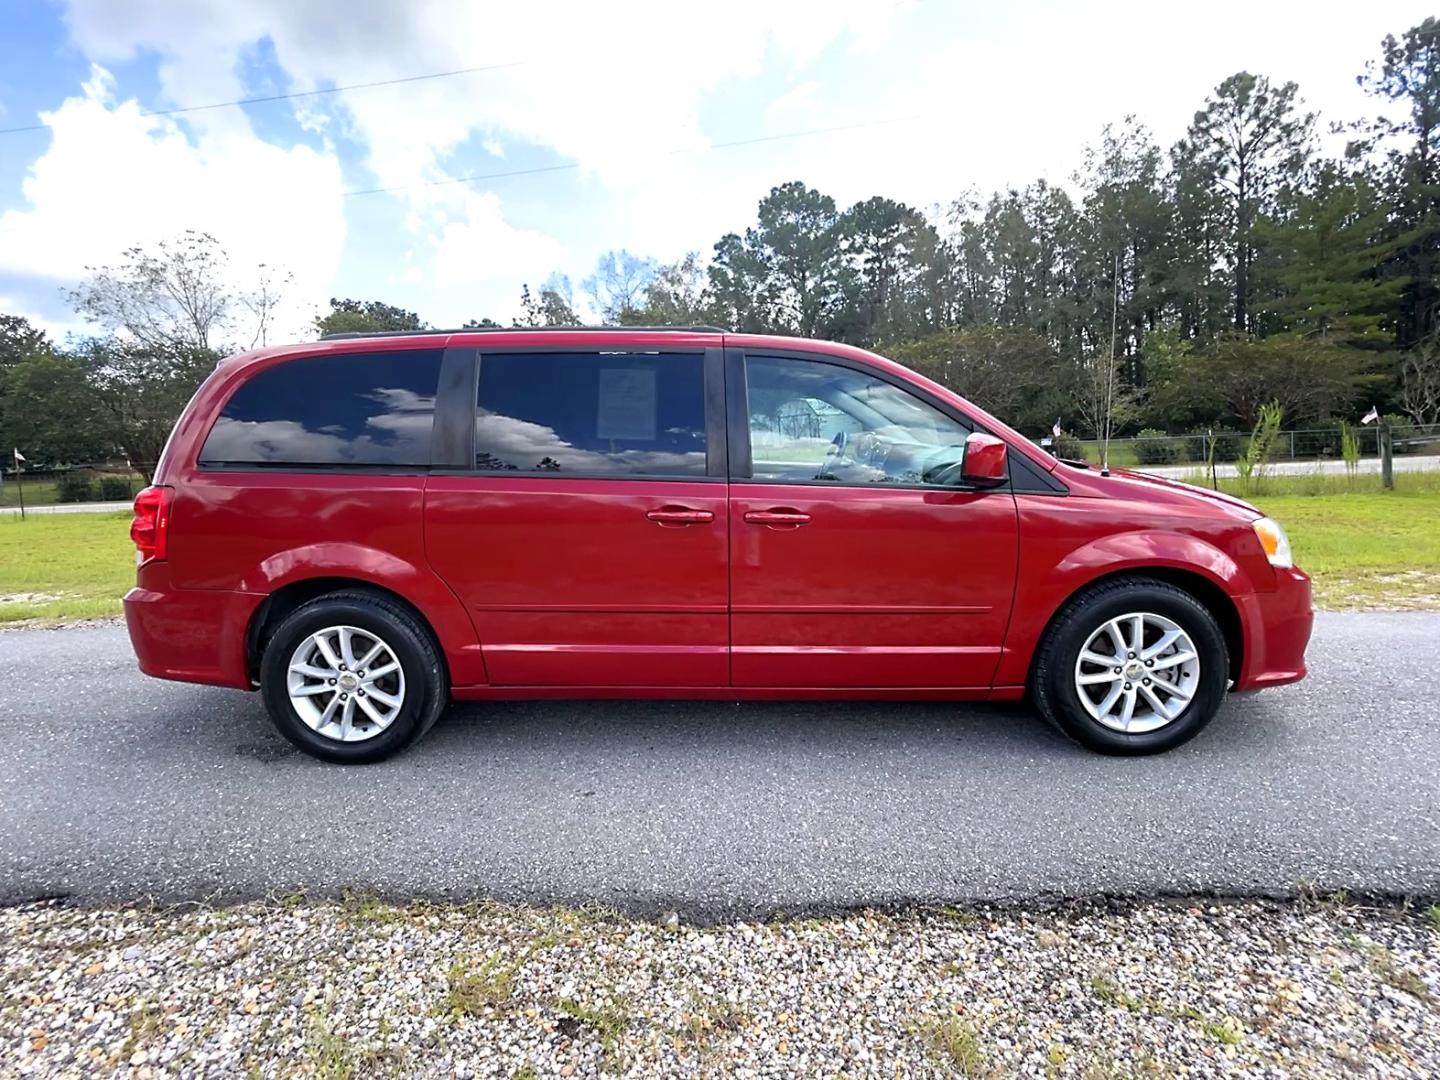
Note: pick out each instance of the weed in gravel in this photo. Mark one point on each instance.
(1108, 991)
(959, 916)
(956, 1045)
(144, 1025)
(1433, 911)
(328, 1054)
(469, 992)
(607, 1021)
(1389, 971)
(1226, 1032)
(707, 1017)
(331, 1056)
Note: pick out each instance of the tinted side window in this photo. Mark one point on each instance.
(638, 414)
(815, 421)
(343, 409)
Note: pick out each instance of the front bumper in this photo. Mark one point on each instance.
(191, 635)
(1277, 628)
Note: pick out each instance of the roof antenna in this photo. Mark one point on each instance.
(1110, 369)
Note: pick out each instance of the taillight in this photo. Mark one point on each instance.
(151, 524)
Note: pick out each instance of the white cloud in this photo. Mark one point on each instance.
(592, 83)
(617, 90)
(479, 245)
(112, 178)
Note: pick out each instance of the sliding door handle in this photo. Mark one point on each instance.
(677, 516)
(778, 517)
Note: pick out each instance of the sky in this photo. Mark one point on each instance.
(650, 125)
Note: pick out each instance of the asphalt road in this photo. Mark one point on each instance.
(118, 787)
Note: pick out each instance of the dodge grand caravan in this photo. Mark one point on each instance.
(367, 527)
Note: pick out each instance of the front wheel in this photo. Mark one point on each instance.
(352, 677)
(1131, 666)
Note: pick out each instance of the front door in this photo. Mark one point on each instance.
(589, 541)
(851, 565)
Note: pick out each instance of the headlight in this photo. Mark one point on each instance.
(1273, 539)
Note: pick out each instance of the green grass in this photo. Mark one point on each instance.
(64, 566)
(37, 492)
(1364, 547)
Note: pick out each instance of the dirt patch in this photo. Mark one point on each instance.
(30, 598)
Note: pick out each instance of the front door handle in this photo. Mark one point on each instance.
(672, 517)
(778, 517)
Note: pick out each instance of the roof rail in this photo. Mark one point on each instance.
(515, 330)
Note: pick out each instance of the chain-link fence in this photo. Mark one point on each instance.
(78, 484)
(1300, 445)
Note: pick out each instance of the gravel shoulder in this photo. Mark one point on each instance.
(360, 988)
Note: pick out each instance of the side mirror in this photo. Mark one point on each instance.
(984, 463)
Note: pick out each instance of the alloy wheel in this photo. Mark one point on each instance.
(345, 683)
(1137, 673)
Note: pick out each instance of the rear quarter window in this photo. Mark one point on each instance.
(336, 410)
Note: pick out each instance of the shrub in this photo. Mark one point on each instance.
(1154, 447)
(1066, 445)
(1229, 445)
(74, 487)
(115, 488)
(1401, 432)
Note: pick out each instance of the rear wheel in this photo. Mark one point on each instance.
(352, 677)
(1131, 666)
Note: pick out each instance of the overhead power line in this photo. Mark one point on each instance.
(299, 94)
(570, 166)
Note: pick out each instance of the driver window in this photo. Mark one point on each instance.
(813, 421)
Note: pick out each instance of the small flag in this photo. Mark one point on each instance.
(19, 457)
(1371, 416)
(1056, 429)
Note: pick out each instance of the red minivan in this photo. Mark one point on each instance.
(369, 526)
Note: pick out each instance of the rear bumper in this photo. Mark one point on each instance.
(1277, 628)
(191, 635)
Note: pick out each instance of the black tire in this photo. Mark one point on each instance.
(426, 682)
(1052, 682)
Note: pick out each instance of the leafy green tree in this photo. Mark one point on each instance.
(175, 295)
(617, 287)
(787, 274)
(18, 340)
(1323, 251)
(552, 306)
(1311, 377)
(736, 286)
(1010, 371)
(1121, 257)
(1408, 77)
(49, 410)
(1249, 136)
(675, 295)
(140, 391)
(891, 250)
(365, 316)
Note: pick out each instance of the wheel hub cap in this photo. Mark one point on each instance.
(1137, 673)
(345, 683)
